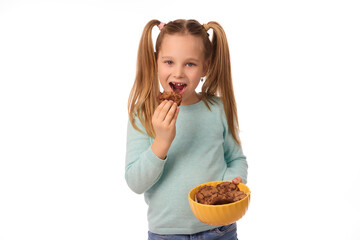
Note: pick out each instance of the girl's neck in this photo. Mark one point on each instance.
(194, 99)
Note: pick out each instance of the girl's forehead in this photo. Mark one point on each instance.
(181, 43)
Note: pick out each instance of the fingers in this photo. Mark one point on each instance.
(237, 180)
(165, 111)
(173, 121)
(159, 109)
(172, 113)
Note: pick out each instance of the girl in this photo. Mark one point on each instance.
(170, 148)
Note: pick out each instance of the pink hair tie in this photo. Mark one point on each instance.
(161, 26)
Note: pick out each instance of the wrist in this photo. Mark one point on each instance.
(160, 149)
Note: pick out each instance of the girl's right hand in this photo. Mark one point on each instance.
(163, 122)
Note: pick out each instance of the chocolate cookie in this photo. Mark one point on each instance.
(223, 193)
(174, 96)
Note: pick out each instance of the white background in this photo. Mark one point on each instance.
(66, 69)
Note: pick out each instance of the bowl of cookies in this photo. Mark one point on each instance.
(219, 203)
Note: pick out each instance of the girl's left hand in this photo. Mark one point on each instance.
(237, 180)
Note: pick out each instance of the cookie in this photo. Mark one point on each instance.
(174, 96)
(223, 193)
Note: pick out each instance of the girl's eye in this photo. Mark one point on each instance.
(169, 62)
(190, 64)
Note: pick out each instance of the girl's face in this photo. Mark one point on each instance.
(181, 64)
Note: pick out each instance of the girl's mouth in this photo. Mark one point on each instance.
(178, 87)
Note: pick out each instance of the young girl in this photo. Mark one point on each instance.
(170, 148)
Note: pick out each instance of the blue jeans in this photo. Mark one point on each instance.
(227, 232)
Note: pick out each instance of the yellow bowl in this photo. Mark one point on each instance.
(219, 215)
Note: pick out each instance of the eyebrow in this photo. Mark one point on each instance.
(188, 59)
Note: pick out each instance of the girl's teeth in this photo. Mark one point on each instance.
(177, 87)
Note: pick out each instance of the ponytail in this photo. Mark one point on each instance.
(219, 79)
(142, 98)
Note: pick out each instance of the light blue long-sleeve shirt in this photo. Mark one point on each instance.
(203, 150)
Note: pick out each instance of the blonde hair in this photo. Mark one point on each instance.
(142, 98)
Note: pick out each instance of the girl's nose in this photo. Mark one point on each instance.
(178, 72)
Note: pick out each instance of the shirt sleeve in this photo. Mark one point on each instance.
(234, 157)
(142, 167)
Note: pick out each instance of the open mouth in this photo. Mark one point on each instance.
(177, 87)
